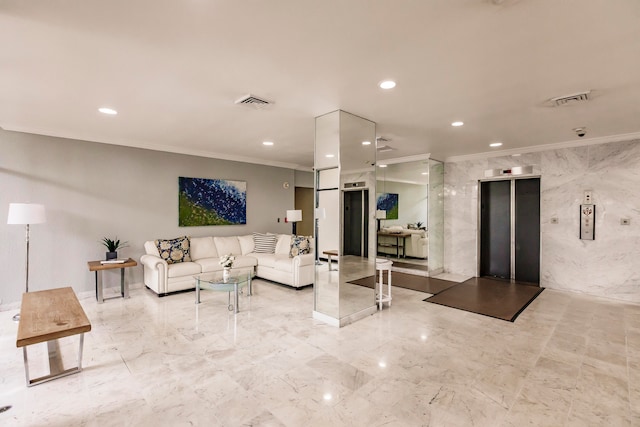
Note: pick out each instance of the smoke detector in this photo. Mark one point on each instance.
(571, 99)
(253, 101)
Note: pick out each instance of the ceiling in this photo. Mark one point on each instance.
(173, 70)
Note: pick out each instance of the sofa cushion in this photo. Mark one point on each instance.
(284, 244)
(264, 243)
(265, 260)
(227, 245)
(300, 245)
(203, 247)
(244, 261)
(174, 250)
(209, 264)
(283, 263)
(184, 269)
(246, 244)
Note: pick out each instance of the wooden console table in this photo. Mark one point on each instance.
(46, 316)
(398, 236)
(98, 267)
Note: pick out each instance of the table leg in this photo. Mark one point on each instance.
(99, 295)
(249, 285)
(329, 259)
(56, 368)
(124, 287)
(398, 247)
(197, 291)
(235, 297)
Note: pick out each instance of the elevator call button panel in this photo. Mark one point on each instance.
(587, 222)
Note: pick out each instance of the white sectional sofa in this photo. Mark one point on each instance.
(164, 278)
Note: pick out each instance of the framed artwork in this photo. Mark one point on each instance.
(388, 202)
(203, 201)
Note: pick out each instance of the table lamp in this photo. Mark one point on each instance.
(26, 214)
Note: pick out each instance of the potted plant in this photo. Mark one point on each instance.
(112, 246)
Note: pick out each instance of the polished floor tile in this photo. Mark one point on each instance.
(568, 360)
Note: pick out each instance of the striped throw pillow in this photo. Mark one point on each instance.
(264, 243)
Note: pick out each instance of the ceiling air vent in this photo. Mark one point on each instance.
(253, 100)
(384, 148)
(570, 99)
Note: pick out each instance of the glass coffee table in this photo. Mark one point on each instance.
(214, 281)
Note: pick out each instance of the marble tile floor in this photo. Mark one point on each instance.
(568, 360)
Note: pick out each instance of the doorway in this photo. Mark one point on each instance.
(510, 230)
(356, 223)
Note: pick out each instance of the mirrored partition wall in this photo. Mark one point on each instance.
(410, 213)
(345, 235)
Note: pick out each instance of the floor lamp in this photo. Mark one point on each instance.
(26, 214)
(294, 216)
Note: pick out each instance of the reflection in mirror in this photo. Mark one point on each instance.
(345, 234)
(410, 212)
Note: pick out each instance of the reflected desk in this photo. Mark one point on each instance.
(329, 254)
(398, 236)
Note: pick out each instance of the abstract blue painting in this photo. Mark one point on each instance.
(388, 202)
(205, 201)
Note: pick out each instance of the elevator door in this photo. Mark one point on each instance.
(356, 223)
(510, 229)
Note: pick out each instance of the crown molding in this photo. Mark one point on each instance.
(163, 148)
(536, 148)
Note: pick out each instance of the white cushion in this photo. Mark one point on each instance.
(227, 245)
(284, 244)
(395, 228)
(183, 269)
(244, 261)
(203, 247)
(283, 263)
(246, 244)
(151, 249)
(209, 264)
(265, 260)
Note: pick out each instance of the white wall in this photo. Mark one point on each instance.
(93, 190)
(607, 266)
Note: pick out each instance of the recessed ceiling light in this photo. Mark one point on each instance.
(425, 173)
(106, 110)
(366, 142)
(456, 124)
(387, 84)
(267, 143)
(329, 155)
(327, 396)
(383, 166)
(495, 144)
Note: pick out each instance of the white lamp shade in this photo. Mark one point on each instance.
(380, 214)
(321, 213)
(294, 216)
(26, 213)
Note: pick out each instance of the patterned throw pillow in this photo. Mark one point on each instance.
(174, 250)
(264, 243)
(300, 245)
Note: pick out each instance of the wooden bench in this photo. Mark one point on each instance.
(46, 316)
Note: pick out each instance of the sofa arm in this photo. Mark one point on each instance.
(305, 259)
(155, 273)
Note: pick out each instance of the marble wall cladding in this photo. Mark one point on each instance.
(606, 266)
(436, 216)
